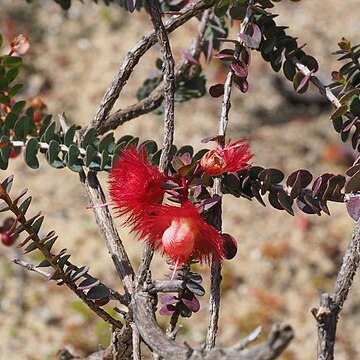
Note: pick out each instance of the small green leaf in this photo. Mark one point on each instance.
(90, 154)
(37, 224)
(10, 120)
(69, 136)
(14, 90)
(105, 161)
(89, 138)
(355, 106)
(33, 246)
(7, 183)
(11, 75)
(53, 151)
(31, 150)
(106, 142)
(289, 69)
(25, 205)
(73, 160)
(98, 292)
(5, 149)
(49, 133)
(18, 107)
(11, 61)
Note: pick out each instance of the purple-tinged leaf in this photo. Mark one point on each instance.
(349, 124)
(310, 62)
(197, 191)
(255, 189)
(302, 176)
(269, 177)
(304, 207)
(210, 202)
(241, 84)
(229, 246)
(245, 56)
(168, 299)
(256, 36)
(131, 5)
(301, 82)
(353, 207)
(333, 187)
(217, 138)
(252, 41)
(353, 170)
(324, 207)
(353, 184)
(319, 185)
(311, 202)
(175, 2)
(286, 202)
(190, 58)
(339, 112)
(274, 201)
(167, 310)
(192, 304)
(216, 90)
(240, 69)
(225, 54)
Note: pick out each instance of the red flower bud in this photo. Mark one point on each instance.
(7, 239)
(232, 158)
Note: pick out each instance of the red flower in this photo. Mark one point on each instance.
(232, 158)
(135, 185)
(180, 232)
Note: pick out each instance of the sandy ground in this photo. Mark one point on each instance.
(280, 269)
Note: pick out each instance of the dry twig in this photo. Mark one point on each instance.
(214, 299)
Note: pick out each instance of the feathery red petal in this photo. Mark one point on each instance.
(134, 184)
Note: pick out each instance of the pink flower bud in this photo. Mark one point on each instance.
(179, 239)
(20, 44)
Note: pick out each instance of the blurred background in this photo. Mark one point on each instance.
(283, 263)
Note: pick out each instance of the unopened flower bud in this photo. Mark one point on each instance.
(179, 239)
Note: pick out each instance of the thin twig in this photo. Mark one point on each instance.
(31, 267)
(183, 71)
(327, 314)
(106, 224)
(214, 298)
(105, 221)
(166, 286)
(168, 69)
(136, 342)
(132, 58)
(169, 94)
(324, 90)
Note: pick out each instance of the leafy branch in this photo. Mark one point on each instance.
(90, 290)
